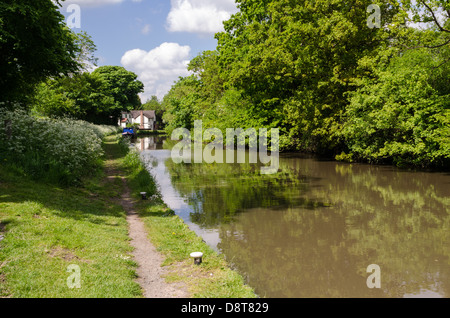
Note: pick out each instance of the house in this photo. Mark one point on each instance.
(145, 118)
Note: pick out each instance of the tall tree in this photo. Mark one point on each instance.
(97, 97)
(123, 86)
(334, 76)
(80, 96)
(295, 61)
(35, 44)
(181, 103)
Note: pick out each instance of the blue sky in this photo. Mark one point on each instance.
(153, 38)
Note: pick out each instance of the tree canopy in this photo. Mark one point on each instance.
(97, 97)
(319, 71)
(45, 66)
(35, 44)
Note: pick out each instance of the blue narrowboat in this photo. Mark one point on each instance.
(128, 132)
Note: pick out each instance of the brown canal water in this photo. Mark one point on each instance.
(313, 229)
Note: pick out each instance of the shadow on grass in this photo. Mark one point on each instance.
(155, 209)
(89, 202)
(113, 150)
(76, 204)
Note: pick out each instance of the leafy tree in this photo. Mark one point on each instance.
(402, 116)
(207, 70)
(35, 44)
(400, 112)
(79, 96)
(50, 100)
(85, 55)
(123, 86)
(310, 68)
(97, 97)
(295, 61)
(181, 103)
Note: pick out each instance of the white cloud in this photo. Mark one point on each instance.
(158, 68)
(199, 16)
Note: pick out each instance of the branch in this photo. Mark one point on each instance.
(434, 17)
(426, 46)
(445, 61)
(436, 46)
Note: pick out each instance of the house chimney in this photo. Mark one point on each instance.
(142, 119)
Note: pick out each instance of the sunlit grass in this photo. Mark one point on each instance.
(47, 228)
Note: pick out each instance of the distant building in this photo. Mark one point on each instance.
(145, 118)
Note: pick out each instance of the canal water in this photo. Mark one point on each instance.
(314, 228)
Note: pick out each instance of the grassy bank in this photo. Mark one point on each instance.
(59, 150)
(45, 228)
(173, 238)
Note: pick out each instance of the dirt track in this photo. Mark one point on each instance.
(149, 271)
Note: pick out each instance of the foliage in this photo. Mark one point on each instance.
(34, 44)
(97, 97)
(182, 103)
(122, 85)
(402, 116)
(80, 96)
(295, 61)
(301, 66)
(86, 49)
(61, 151)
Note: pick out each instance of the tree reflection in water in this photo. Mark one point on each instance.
(312, 229)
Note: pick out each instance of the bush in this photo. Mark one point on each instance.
(55, 150)
(403, 115)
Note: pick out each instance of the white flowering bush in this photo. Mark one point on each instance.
(104, 130)
(59, 150)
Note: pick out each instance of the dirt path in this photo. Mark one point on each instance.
(149, 271)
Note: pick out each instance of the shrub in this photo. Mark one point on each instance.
(403, 115)
(55, 150)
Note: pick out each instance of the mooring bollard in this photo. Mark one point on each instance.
(144, 195)
(197, 256)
